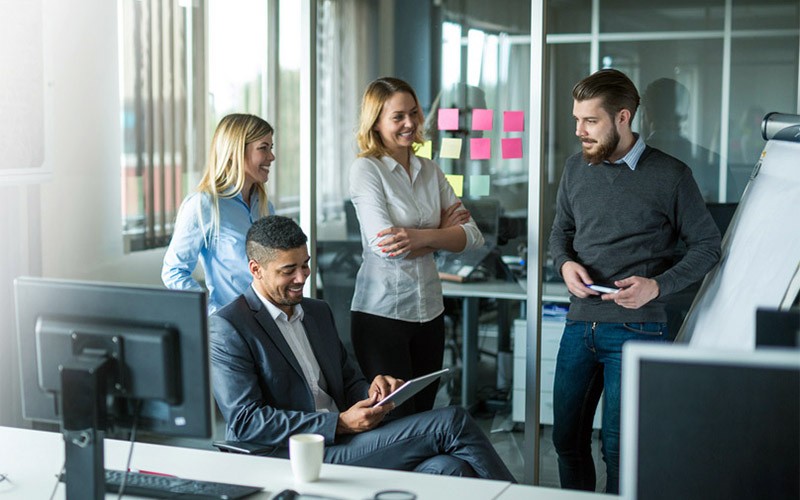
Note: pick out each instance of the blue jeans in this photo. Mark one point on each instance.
(589, 363)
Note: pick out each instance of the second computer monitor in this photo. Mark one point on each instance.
(700, 424)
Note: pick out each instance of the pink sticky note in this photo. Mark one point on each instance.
(512, 148)
(482, 119)
(480, 149)
(513, 121)
(448, 119)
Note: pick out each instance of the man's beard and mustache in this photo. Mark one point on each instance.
(604, 148)
(287, 300)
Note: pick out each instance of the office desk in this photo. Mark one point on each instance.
(31, 460)
(522, 492)
(472, 293)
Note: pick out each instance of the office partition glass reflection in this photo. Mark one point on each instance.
(455, 46)
(764, 78)
(254, 54)
(284, 186)
(685, 42)
(680, 83)
(719, 95)
(618, 16)
(485, 92)
(569, 16)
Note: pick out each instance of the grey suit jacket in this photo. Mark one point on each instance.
(258, 383)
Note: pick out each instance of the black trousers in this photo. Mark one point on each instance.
(401, 349)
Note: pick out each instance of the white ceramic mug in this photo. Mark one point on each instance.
(305, 454)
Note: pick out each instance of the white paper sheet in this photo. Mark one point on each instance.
(760, 256)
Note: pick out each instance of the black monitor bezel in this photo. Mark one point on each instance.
(184, 312)
(637, 355)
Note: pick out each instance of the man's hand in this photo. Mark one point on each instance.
(362, 416)
(383, 385)
(634, 292)
(454, 215)
(576, 277)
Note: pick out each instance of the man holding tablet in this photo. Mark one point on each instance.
(278, 369)
(621, 208)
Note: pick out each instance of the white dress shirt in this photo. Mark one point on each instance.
(384, 197)
(295, 334)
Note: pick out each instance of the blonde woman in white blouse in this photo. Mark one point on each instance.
(407, 210)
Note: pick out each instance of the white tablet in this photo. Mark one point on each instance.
(603, 288)
(410, 388)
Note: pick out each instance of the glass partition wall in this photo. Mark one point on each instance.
(254, 67)
(708, 70)
(468, 60)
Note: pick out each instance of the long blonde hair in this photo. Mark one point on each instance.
(375, 96)
(224, 175)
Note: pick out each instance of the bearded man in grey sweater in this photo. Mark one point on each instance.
(622, 207)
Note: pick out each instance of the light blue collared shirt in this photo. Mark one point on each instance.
(632, 157)
(224, 261)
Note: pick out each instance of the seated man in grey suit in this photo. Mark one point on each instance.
(279, 368)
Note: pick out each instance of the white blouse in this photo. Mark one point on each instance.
(384, 197)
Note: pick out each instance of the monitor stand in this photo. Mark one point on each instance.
(84, 389)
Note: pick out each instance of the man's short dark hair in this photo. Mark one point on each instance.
(615, 89)
(270, 234)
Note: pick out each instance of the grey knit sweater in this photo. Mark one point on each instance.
(619, 223)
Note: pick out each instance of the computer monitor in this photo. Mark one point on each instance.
(700, 423)
(778, 328)
(486, 214)
(98, 357)
(722, 213)
(352, 226)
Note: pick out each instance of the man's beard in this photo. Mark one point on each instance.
(288, 301)
(605, 147)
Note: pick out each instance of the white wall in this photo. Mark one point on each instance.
(81, 205)
(15, 259)
(70, 225)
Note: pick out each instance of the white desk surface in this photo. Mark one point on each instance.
(31, 460)
(522, 492)
(551, 292)
(491, 289)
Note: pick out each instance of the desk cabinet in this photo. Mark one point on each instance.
(552, 329)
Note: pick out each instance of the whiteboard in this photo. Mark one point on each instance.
(760, 256)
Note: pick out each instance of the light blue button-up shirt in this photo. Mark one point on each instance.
(224, 260)
(631, 158)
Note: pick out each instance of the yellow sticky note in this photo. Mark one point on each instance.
(424, 150)
(457, 181)
(451, 148)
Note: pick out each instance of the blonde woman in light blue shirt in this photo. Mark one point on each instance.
(212, 223)
(407, 210)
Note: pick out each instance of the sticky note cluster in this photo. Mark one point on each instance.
(480, 148)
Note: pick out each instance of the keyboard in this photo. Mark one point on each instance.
(158, 486)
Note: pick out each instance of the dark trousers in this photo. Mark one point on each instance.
(401, 349)
(445, 441)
